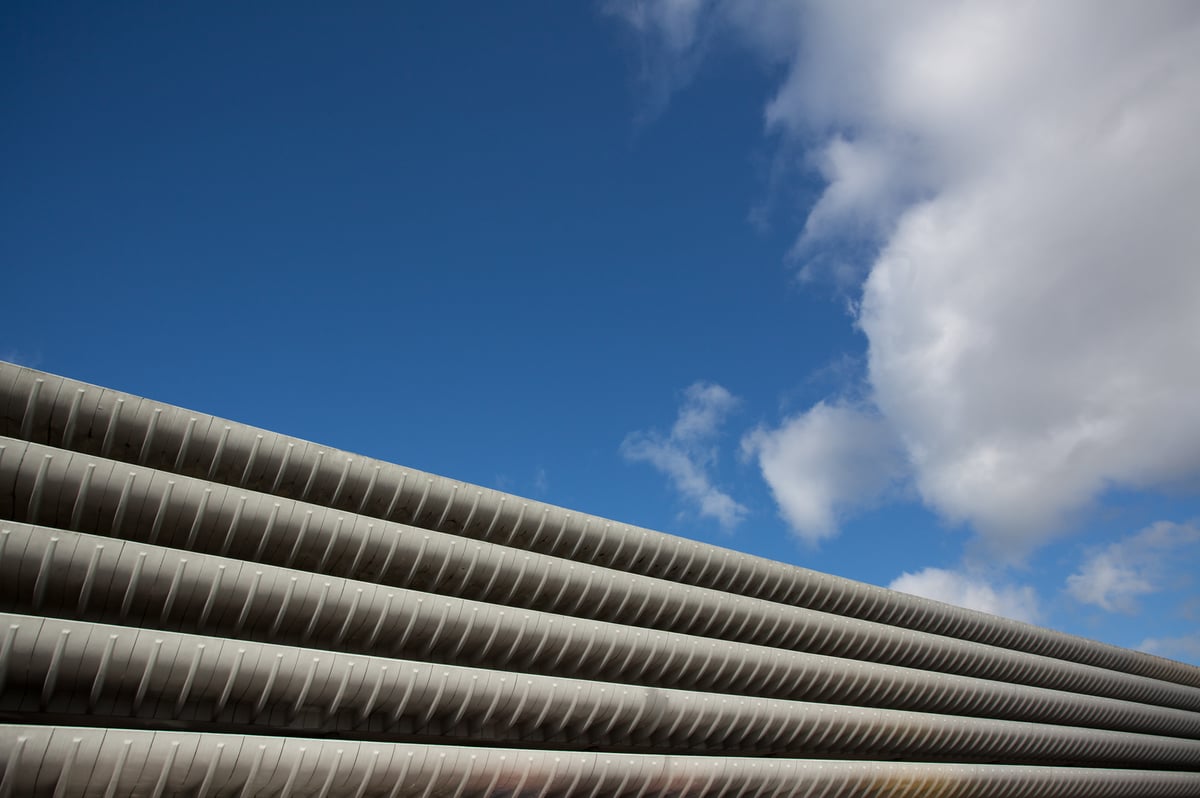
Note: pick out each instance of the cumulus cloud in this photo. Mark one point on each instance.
(1030, 176)
(970, 591)
(824, 464)
(1186, 647)
(1114, 577)
(686, 454)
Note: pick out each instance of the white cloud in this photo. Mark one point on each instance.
(971, 591)
(1186, 647)
(1030, 175)
(672, 44)
(1115, 576)
(825, 463)
(686, 455)
(673, 22)
(705, 406)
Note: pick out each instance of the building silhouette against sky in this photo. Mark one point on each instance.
(196, 607)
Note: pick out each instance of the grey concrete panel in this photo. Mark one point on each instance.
(49, 409)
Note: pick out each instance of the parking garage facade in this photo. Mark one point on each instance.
(192, 606)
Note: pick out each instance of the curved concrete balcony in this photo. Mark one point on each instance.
(48, 760)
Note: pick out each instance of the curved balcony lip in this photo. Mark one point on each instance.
(45, 759)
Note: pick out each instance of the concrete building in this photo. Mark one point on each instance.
(195, 607)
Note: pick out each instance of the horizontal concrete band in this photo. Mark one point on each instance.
(57, 572)
(67, 489)
(49, 409)
(72, 761)
(107, 673)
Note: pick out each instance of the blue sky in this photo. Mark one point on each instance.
(898, 296)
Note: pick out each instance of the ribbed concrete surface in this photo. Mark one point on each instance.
(44, 408)
(192, 606)
(82, 761)
(221, 597)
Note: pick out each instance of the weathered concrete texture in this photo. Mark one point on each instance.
(173, 584)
